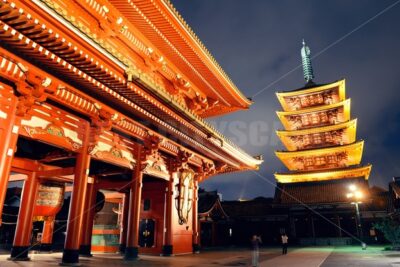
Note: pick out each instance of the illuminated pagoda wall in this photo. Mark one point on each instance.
(319, 134)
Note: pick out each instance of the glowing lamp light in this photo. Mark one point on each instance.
(352, 187)
(350, 195)
(358, 194)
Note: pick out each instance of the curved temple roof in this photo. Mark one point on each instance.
(68, 32)
(162, 25)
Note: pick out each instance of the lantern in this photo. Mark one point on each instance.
(184, 199)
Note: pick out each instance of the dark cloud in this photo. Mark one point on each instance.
(258, 42)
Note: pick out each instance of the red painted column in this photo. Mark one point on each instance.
(195, 218)
(76, 207)
(132, 239)
(124, 224)
(47, 235)
(9, 126)
(23, 231)
(168, 246)
(88, 218)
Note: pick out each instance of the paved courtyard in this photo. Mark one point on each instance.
(302, 257)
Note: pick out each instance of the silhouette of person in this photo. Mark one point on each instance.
(284, 239)
(255, 243)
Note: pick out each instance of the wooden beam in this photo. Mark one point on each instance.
(112, 184)
(56, 172)
(17, 177)
(23, 165)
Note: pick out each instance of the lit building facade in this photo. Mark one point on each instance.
(110, 95)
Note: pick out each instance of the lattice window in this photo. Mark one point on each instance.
(320, 99)
(317, 138)
(320, 160)
(332, 159)
(323, 117)
(304, 101)
(328, 137)
(305, 120)
(314, 118)
(307, 140)
(309, 162)
(311, 99)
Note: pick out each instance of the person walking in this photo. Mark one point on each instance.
(255, 243)
(284, 239)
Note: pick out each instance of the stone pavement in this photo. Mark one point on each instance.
(269, 257)
(305, 257)
(354, 256)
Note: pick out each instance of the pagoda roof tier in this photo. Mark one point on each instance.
(292, 100)
(322, 158)
(332, 135)
(332, 114)
(345, 173)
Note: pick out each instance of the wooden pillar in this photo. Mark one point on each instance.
(124, 224)
(168, 245)
(88, 218)
(132, 239)
(9, 126)
(23, 231)
(195, 218)
(76, 207)
(47, 234)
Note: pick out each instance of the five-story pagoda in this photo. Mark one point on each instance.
(323, 155)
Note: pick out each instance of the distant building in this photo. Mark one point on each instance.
(214, 225)
(315, 223)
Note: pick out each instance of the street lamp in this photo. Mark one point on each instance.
(356, 196)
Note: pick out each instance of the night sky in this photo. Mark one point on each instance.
(258, 44)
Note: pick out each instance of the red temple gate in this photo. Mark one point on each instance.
(93, 97)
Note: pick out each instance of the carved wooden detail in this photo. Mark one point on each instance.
(317, 119)
(322, 139)
(180, 162)
(155, 165)
(113, 148)
(325, 97)
(54, 126)
(326, 161)
(33, 90)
